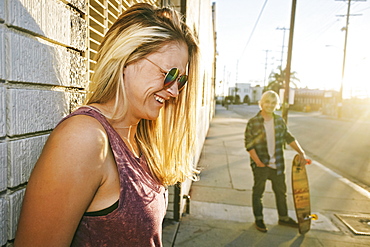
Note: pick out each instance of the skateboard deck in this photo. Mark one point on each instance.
(301, 195)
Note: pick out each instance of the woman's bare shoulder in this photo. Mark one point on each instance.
(69, 171)
(79, 130)
(79, 140)
(80, 123)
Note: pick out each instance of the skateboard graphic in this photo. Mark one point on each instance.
(301, 195)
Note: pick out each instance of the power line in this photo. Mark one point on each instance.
(255, 25)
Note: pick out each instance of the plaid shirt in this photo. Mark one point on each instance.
(255, 138)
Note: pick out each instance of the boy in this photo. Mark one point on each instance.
(265, 136)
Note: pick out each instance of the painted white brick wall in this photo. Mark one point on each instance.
(2, 10)
(2, 111)
(30, 60)
(3, 166)
(30, 111)
(77, 70)
(14, 208)
(42, 77)
(23, 155)
(76, 99)
(2, 52)
(3, 221)
(78, 4)
(48, 18)
(25, 13)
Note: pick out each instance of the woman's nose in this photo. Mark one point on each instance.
(173, 90)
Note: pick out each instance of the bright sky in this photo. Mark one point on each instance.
(317, 46)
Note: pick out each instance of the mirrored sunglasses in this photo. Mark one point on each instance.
(171, 77)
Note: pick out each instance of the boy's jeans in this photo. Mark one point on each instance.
(261, 174)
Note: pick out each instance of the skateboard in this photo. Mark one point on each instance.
(301, 195)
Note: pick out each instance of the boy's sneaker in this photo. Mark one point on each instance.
(290, 222)
(260, 226)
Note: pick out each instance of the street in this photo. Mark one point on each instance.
(341, 145)
(221, 201)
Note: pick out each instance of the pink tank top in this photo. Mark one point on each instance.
(137, 221)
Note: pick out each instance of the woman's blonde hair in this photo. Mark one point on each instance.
(167, 143)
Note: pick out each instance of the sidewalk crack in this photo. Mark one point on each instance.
(228, 165)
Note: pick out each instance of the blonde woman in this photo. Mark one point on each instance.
(101, 178)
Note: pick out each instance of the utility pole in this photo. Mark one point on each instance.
(288, 64)
(340, 103)
(283, 45)
(224, 81)
(340, 100)
(264, 82)
(237, 71)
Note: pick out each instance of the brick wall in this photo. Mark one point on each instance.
(42, 77)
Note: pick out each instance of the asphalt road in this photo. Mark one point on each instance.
(341, 145)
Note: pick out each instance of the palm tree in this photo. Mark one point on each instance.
(277, 80)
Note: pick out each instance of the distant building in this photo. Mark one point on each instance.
(313, 97)
(257, 92)
(314, 100)
(246, 93)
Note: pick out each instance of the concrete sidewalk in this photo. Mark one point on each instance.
(220, 206)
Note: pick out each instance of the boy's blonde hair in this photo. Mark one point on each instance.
(271, 95)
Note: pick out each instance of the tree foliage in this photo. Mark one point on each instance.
(277, 80)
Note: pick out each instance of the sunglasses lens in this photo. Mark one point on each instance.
(171, 77)
(182, 81)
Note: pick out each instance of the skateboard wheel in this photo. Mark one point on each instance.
(311, 216)
(314, 216)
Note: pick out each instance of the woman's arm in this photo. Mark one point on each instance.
(63, 183)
